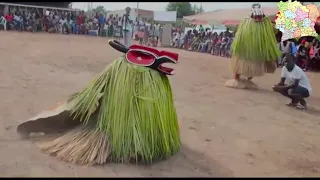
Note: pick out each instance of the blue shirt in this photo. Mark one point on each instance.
(101, 20)
(294, 49)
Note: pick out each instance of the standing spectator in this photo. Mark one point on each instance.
(127, 27)
(110, 25)
(104, 32)
(32, 23)
(117, 29)
(3, 22)
(96, 16)
(157, 32)
(146, 32)
(17, 21)
(135, 29)
(80, 21)
(25, 20)
(119, 25)
(63, 25)
(160, 34)
(102, 22)
(54, 23)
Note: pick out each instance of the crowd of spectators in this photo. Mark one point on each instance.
(72, 22)
(203, 40)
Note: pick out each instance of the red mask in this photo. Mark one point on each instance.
(147, 57)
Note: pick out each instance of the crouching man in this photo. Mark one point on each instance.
(294, 84)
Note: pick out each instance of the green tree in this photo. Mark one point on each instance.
(99, 9)
(182, 8)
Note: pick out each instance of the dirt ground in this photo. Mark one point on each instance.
(225, 132)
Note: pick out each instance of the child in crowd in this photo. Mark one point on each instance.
(140, 36)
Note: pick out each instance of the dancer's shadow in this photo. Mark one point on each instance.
(187, 163)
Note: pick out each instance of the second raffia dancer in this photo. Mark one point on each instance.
(254, 50)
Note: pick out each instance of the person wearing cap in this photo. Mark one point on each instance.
(127, 27)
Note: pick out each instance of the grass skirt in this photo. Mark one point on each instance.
(126, 114)
(254, 45)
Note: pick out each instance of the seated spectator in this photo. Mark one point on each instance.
(224, 42)
(228, 45)
(209, 43)
(214, 39)
(217, 45)
(293, 84)
(203, 42)
(151, 41)
(195, 42)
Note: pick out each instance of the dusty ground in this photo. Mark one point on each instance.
(225, 132)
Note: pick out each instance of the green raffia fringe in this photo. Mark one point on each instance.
(255, 41)
(136, 111)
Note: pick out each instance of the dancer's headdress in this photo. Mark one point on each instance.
(257, 13)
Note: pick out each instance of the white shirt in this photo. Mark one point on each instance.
(177, 37)
(296, 73)
(105, 27)
(119, 23)
(157, 27)
(182, 35)
(62, 21)
(141, 25)
(148, 26)
(3, 20)
(17, 18)
(127, 23)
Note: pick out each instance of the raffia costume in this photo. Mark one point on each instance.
(254, 50)
(126, 114)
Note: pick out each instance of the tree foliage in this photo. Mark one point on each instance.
(99, 9)
(182, 8)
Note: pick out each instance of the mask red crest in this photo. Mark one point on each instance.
(147, 57)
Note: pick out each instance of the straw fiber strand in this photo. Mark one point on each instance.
(241, 84)
(82, 145)
(247, 68)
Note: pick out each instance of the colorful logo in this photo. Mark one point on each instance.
(296, 20)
